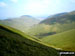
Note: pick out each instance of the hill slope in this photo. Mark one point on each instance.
(64, 41)
(60, 18)
(16, 43)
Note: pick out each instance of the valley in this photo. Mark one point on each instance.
(28, 36)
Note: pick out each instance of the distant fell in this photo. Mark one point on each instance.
(60, 18)
(22, 23)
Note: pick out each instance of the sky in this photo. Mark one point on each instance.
(35, 8)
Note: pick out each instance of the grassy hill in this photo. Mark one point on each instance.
(61, 18)
(64, 41)
(22, 23)
(16, 43)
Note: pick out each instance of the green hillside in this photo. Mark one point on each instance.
(16, 43)
(64, 41)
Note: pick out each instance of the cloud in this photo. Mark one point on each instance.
(73, 1)
(14, 1)
(3, 4)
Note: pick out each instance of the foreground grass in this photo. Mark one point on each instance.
(16, 43)
(64, 41)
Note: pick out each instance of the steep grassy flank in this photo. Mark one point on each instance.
(65, 40)
(16, 43)
(22, 33)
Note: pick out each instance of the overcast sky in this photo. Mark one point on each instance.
(35, 8)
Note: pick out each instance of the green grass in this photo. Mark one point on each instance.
(64, 41)
(16, 43)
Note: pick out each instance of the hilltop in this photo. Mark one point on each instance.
(23, 23)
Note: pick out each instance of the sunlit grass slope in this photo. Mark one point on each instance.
(16, 43)
(64, 41)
